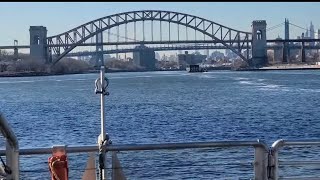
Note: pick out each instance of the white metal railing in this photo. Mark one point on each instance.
(266, 160)
(260, 151)
(274, 161)
(12, 150)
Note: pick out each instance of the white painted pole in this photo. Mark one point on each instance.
(103, 130)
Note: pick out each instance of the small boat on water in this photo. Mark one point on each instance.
(195, 68)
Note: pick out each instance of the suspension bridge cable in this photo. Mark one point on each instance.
(275, 26)
(301, 27)
(270, 29)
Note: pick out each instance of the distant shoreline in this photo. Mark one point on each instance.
(284, 68)
(270, 68)
(31, 74)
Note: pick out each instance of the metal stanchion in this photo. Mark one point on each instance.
(101, 88)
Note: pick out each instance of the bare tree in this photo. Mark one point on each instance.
(69, 65)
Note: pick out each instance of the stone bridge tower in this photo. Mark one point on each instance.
(259, 44)
(38, 42)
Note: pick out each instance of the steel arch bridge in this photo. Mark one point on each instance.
(60, 45)
(136, 49)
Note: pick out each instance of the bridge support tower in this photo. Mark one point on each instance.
(15, 50)
(303, 53)
(259, 44)
(286, 49)
(38, 42)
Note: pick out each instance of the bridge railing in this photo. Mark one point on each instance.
(307, 149)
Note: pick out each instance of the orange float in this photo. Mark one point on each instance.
(58, 165)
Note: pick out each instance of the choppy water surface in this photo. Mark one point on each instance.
(161, 107)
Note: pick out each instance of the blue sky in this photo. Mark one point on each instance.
(59, 17)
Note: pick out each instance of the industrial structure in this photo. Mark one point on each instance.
(190, 58)
(144, 57)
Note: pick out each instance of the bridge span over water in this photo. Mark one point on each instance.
(156, 27)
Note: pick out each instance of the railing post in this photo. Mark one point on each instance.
(12, 149)
(101, 88)
(274, 160)
(273, 165)
(12, 161)
(260, 162)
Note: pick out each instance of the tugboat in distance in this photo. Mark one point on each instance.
(195, 68)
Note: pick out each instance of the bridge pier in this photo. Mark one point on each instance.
(50, 56)
(286, 53)
(259, 44)
(15, 53)
(15, 50)
(303, 53)
(38, 42)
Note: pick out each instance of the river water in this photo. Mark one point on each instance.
(162, 107)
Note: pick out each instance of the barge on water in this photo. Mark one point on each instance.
(195, 68)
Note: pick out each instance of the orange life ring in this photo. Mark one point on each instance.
(58, 166)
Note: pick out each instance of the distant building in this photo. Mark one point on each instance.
(278, 53)
(199, 58)
(312, 33)
(196, 58)
(157, 55)
(186, 58)
(216, 55)
(311, 30)
(230, 54)
(295, 53)
(245, 54)
(145, 57)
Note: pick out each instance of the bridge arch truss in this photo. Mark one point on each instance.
(235, 40)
